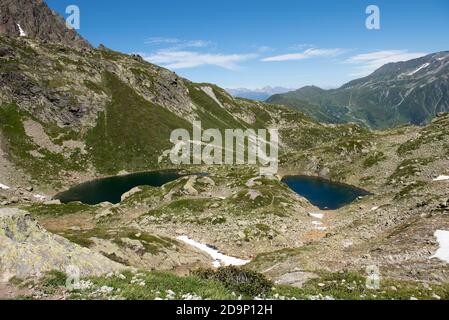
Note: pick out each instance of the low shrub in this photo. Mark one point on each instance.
(242, 281)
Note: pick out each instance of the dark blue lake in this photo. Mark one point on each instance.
(322, 193)
(111, 189)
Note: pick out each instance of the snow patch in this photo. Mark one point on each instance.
(443, 239)
(22, 33)
(425, 65)
(210, 92)
(374, 208)
(3, 187)
(441, 178)
(316, 215)
(219, 258)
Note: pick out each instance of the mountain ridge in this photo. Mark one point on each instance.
(409, 92)
(109, 111)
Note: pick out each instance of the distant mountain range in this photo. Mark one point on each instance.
(410, 92)
(260, 94)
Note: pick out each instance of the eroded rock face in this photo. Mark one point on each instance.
(28, 250)
(33, 18)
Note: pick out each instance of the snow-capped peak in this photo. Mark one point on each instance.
(22, 33)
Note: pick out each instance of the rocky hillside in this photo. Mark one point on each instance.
(33, 18)
(410, 92)
(71, 112)
(80, 113)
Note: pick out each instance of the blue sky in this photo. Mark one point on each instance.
(257, 43)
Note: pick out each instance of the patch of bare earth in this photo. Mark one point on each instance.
(36, 132)
(58, 224)
(9, 291)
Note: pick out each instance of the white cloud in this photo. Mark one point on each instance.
(369, 62)
(177, 43)
(197, 43)
(309, 53)
(174, 59)
(161, 40)
(265, 49)
(301, 46)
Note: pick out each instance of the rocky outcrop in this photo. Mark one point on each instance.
(130, 193)
(28, 250)
(33, 18)
(152, 256)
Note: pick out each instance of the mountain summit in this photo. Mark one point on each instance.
(33, 18)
